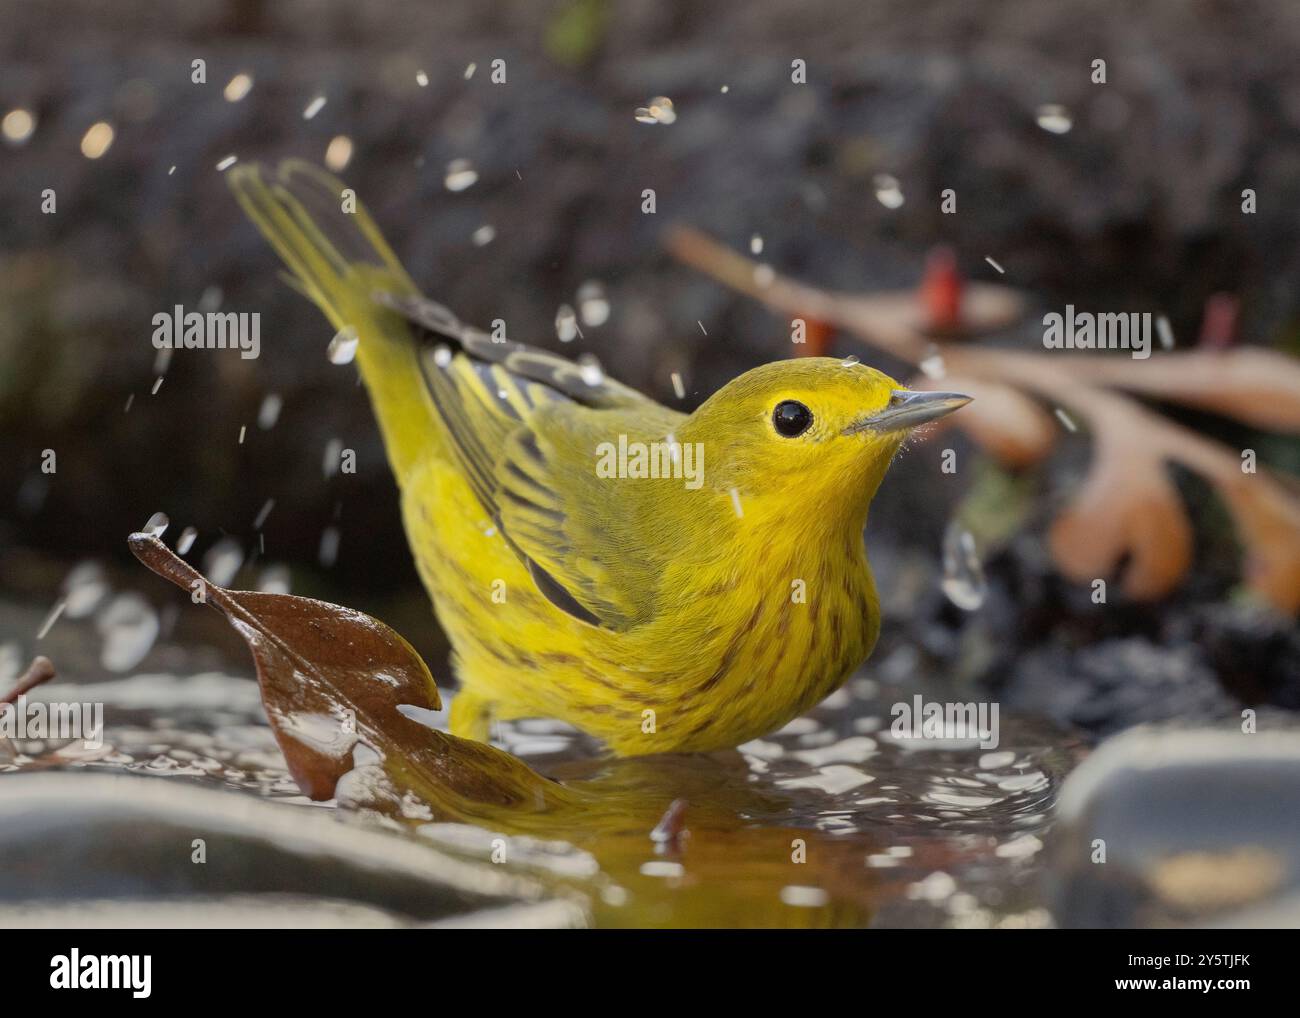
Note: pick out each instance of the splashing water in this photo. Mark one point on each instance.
(593, 304)
(186, 540)
(269, 412)
(1054, 118)
(223, 561)
(566, 324)
(129, 626)
(343, 347)
(888, 191)
(84, 589)
(658, 111)
(963, 575)
(590, 370)
(460, 175)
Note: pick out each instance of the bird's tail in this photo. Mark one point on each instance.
(338, 258)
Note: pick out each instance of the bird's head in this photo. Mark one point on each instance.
(814, 432)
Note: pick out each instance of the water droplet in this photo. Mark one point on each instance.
(756, 245)
(129, 626)
(1054, 118)
(593, 304)
(156, 525)
(764, 276)
(934, 888)
(84, 588)
(460, 175)
(1000, 270)
(469, 71)
(18, 126)
(162, 360)
(442, 355)
(238, 87)
(566, 324)
(850, 361)
(314, 107)
(661, 108)
(221, 563)
(888, 191)
(228, 162)
(329, 546)
(484, 235)
(1165, 331)
(274, 580)
(678, 388)
(59, 607)
(210, 299)
(97, 140)
(343, 347)
(269, 412)
(263, 513)
(338, 153)
(1019, 848)
(735, 504)
(662, 868)
(933, 366)
(330, 461)
(186, 541)
(963, 576)
(421, 79)
(1066, 420)
(590, 370)
(804, 897)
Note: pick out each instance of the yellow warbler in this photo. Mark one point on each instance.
(664, 581)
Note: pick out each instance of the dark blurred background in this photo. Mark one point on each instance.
(1136, 207)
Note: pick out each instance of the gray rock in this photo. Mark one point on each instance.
(110, 850)
(1196, 827)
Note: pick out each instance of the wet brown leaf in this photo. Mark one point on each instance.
(1268, 520)
(1257, 387)
(333, 678)
(1126, 509)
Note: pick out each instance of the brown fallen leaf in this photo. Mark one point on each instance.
(1127, 510)
(333, 678)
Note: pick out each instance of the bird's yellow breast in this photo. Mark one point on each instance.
(761, 631)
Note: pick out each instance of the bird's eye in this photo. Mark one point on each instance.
(791, 418)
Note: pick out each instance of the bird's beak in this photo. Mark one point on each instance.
(907, 409)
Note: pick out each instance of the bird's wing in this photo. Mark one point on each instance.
(525, 425)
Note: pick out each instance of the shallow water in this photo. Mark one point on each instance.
(830, 822)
